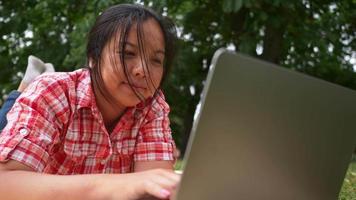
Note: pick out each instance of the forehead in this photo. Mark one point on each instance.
(149, 31)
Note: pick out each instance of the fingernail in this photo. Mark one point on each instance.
(165, 193)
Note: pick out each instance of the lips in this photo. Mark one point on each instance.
(136, 85)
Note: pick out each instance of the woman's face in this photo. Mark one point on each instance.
(144, 79)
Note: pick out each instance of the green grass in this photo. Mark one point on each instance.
(178, 165)
(348, 190)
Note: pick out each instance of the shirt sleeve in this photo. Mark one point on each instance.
(34, 124)
(154, 141)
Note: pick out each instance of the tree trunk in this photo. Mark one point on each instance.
(273, 43)
(274, 32)
(237, 25)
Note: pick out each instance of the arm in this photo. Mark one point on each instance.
(155, 146)
(23, 183)
(147, 165)
(36, 186)
(33, 127)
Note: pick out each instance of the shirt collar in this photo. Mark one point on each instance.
(86, 97)
(85, 94)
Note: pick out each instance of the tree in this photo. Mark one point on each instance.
(311, 36)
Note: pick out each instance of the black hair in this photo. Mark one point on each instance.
(118, 20)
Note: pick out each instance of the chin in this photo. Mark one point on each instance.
(132, 102)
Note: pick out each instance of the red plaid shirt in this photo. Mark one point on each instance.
(55, 127)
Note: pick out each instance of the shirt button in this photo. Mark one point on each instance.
(105, 160)
(23, 131)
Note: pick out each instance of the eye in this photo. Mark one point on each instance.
(157, 61)
(128, 53)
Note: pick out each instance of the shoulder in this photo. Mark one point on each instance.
(52, 89)
(156, 106)
(158, 102)
(55, 83)
(61, 79)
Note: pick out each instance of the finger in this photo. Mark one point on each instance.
(157, 190)
(162, 181)
(170, 175)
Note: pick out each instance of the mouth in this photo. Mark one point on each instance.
(135, 85)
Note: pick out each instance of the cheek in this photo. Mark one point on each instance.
(157, 77)
(107, 80)
(110, 79)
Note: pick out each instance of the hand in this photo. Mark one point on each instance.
(157, 183)
(151, 184)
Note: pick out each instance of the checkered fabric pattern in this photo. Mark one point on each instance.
(55, 127)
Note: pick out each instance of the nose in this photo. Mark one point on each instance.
(138, 70)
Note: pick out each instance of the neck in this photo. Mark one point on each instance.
(110, 111)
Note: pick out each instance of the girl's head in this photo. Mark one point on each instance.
(130, 51)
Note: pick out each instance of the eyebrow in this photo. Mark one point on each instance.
(159, 51)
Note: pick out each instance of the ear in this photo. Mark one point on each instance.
(91, 63)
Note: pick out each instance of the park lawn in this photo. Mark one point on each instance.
(348, 190)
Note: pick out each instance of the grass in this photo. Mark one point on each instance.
(178, 165)
(348, 190)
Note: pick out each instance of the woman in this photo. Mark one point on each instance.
(86, 129)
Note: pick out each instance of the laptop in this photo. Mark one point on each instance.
(266, 132)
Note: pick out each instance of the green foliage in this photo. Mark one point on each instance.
(232, 5)
(309, 36)
(312, 37)
(348, 190)
(55, 31)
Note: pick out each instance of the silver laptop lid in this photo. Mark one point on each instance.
(265, 132)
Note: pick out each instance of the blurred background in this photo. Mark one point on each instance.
(316, 37)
